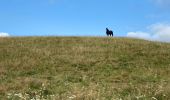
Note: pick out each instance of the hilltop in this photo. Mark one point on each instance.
(76, 68)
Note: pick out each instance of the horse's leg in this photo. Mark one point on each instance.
(110, 34)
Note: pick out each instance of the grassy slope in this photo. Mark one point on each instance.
(84, 68)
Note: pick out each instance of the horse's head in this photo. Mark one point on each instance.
(107, 29)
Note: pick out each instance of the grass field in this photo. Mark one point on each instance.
(83, 68)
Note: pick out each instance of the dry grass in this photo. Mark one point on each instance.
(89, 68)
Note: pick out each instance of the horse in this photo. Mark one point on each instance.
(109, 32)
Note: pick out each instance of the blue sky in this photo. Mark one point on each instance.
(83, 17)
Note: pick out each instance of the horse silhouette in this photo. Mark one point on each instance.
(109, 32)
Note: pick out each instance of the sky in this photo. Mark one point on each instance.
(145, 19)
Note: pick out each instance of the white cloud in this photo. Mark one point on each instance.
(157, 32)
(141, 35)
(2, 34)
(163, 30)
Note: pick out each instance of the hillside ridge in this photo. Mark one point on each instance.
(86, 68)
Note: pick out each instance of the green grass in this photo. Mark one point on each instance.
(84, 68)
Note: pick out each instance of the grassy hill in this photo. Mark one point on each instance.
(84, 68)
